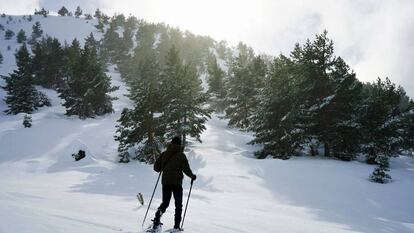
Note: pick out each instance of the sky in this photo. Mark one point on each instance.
(375, 37)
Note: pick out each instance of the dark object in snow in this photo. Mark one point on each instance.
(80, 155)
(27, 121)
(140, 198)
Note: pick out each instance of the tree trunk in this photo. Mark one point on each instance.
(327, 150)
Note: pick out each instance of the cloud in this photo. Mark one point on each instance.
(18, 7)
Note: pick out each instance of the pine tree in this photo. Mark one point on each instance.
(63, 11)
(98, 14)
(379, 175)
(1, 58)
(407, 126)
(48, 63)
(41, 12)
(275, 120)
(21, 36)
(36, 32)
(78, 12)
(242, 89)
(87, 86)
(21, 94)
(88, 17)
(380, 117)
(141, 128)
(184, 112)
(8, 34)
(100, 26)
(27, 121)
(111, 43)
(216, 82)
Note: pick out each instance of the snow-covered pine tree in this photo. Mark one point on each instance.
(380, 117)
(407, 126)
(312, 61)
(379, 175)
(21, 94)
(21, 36)
(111, 43)
(78, 12)
(63, 11)
(27, 121)
(36, 32)
(87, 86)
(141, 128)
(274, 121)
(98, 14)
(184, 110)
(88, 16)
(241, 89)
(340, 114)
(8, 34)
(71, 58)
(48, 63)
(1, 58)
(43, 12)
(216, 82)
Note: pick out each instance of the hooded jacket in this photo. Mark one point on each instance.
(173, 163)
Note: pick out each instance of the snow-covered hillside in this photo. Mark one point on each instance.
(43, 190)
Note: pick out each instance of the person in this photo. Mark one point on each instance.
(173, 163)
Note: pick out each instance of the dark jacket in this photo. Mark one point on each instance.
(173, 163)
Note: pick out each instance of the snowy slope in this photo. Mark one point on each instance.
(43, 190)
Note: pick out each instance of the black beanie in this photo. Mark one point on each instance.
(176, 140)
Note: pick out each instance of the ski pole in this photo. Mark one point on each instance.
(186, 205)
(151, 198)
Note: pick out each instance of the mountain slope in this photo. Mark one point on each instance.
(44, 190)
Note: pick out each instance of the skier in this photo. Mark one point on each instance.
(172, 163)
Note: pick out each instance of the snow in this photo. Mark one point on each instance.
(44, 190)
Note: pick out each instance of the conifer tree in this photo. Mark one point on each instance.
(78, 12)
(43, 12)
(1, 58)
(274, 121)
(380, 117)
(27, 121)
(98, 14)
(21, 36)
(36, 32)
(88, 17)
(407, 126)
(48, 63)
(87, 86)
(21, 94)
(216, 82)
(8, 34)
(379, 175)
(63, 11)
(241, 88)
(141, 128)
(184, 112)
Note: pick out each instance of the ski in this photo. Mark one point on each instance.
(151, 229)
(172, 230)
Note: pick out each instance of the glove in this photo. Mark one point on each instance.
(193, 178)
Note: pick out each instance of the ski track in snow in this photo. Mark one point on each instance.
(44, 191)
